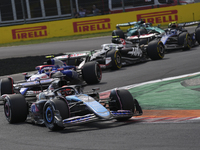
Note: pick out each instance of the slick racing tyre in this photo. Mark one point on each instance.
(49, 113)
(121, 100)
(197, 35)
(6, 86)
(118, 34)
(116, 61)
(15, 108)
(91, 72)
(155, 50)
(185, 40)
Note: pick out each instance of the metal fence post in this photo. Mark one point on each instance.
(71, 5)
(23, 11)
(123, 6)
(14, 10)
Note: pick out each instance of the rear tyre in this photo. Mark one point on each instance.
(6, 86)
(116, 60)
(118, 33)
(155, 50)
(185, 40)
(121, 100)
(15, 108)
(197, 35)
(48, 111)
(91, 72)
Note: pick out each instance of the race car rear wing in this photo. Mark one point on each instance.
(72, 55)
(40, 82)
(187, 24)
(126, 24)
(144, 36)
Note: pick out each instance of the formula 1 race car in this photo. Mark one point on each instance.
(136, 29)
(119, 53)
(89, 72)
(174, 37)
(60, 106)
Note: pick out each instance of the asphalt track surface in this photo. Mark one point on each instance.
(113, 135)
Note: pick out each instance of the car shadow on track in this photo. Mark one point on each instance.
(96, 126)
(194, 48)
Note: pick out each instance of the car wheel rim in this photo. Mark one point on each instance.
(49, 114)
(7, 110)
(118, 59)
(161, 49)
(99, 74)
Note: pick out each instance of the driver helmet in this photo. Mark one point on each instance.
(142, 21)
(66, 92)
(173, 24)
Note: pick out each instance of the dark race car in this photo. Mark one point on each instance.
(62, 105)
(119, 53)
(136, 29)
(176, 36)
(90, 72)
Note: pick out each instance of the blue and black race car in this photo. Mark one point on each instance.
(62, 105)
(176, 36)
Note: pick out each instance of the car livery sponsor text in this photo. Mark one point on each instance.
(27, 33)
(92, 25)
(159, 17)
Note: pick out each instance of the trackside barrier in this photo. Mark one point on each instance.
(95, 24)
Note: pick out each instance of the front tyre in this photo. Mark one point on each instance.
(156, 50)
(116, 61)
(123, 100)
(15, 108)
(49, 113)
(91, 72)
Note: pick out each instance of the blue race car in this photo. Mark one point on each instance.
(61, 105)
(176, 36)
(90, 72)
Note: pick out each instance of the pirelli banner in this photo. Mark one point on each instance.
(103, 23)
